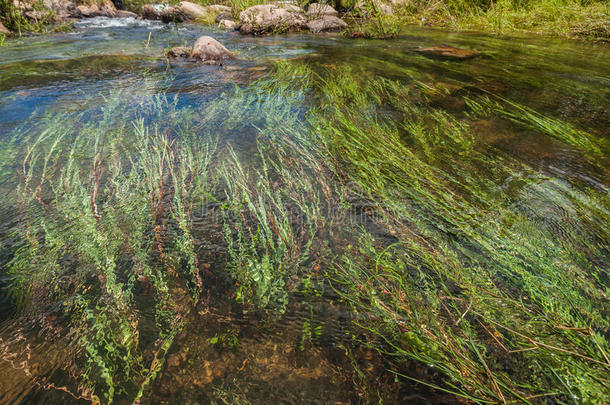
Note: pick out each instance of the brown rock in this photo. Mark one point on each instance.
(125, 14)
(102, 9)
(149, 12)
(3, 29)
(173, 14)
(447, 52)
(208, 50)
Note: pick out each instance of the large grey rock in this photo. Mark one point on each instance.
(263, 19)
(326, 23)
(208, 50)
(317, 10)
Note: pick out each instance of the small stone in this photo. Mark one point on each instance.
(179, 52)
(227, 24)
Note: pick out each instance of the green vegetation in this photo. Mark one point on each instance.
(15, 20)
(568, 18)
(324, 180)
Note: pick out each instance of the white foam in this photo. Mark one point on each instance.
(129, 22)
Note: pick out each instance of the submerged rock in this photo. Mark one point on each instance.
(3, 29)
(263, 19)
(179, 52)
(326, 23)
(447, 52)
(317, 10)
(209, 50)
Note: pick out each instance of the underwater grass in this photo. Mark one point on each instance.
(488, 279)
(323, 180)
(95, 230)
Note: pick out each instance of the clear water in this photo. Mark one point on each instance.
(75, 72)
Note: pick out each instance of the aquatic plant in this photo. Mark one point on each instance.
(468, 271)
(489, 280)
(98, 226)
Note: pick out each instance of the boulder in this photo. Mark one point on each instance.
(180, 52)
(227, 24)
(173, 14)
(446, 52)
(125, 14)
(63, 9)
(326, 23)
(47, 10)
(192, 11)
(208, 50)
(263, 19)
(103, 9)
(316, 10)
(3, 29)
(150, 12)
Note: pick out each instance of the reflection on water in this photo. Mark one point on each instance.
(106, 76)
